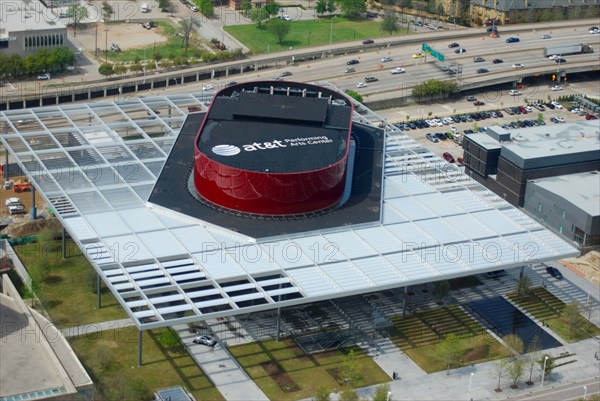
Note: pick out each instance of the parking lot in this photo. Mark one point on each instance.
(449, 130)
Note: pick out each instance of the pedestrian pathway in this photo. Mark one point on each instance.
(221, 368)
(85, 329)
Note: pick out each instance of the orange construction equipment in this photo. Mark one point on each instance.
(23, 185)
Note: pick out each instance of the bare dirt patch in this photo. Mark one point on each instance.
(126, 35)
(588, 265)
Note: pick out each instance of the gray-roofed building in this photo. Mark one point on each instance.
(37, 361)
(567, 204)
(512, 11)
(546, 151)
(26, 27)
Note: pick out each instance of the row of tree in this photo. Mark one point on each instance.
(55, 60)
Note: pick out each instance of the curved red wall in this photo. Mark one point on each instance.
(269, 193)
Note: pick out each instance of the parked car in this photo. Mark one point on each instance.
(205, 340)
(115, 47)
(591, 117)
(44, 77)
(513, 40)
(557, 88)
(352, 62)
(460, 161)
(448, 157)
(554, 272)
(556, 105)
(398, 70)
(432, 137)
(495, 274)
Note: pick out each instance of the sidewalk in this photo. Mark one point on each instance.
(96, 327)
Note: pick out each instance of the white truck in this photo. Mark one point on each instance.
(14, 206)
(564, 50)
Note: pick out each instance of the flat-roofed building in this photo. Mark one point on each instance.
(27, 27)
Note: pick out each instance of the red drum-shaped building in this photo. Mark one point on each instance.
(274, 148)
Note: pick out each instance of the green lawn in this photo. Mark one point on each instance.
(66, 290)
(110, 358)
(317, 32)
(546, 307)
(420, 336)
(307, 371)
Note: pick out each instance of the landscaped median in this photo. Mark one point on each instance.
(284, 372)
(563, 319)
(443, 338)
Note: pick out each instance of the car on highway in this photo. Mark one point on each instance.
(352, 62)
(478, 59)
(44, 77)
(208, 88)
(471, 98)
(514, 92)
(448, 157)
(497, 61)
(230, 83)
(554, 272)
(556, 88)
(482, 70)
(398, 70)
(560, 60)
(556, 105)
(371, 79)
(513, 40)
(205, 340)
(349, 70)
(368, 41)
(478, 103)
(553, 57)
(546, 36)
(361, 85)
(453, 45)
(285, 74)
(460, 50)
(518, 65)
(593, 29)
(418, 55)
(386, 59)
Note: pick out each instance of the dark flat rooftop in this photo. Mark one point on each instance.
(275, 133)
(172, 191)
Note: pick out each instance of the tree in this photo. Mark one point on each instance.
(156, 56)
(322, 393)
(164, 5)
(571, 315)
(107, 10)
(120, 69)
(515, 370)
(349, 395)
(514, 344)
(355, 95)
(449, 350)
(136, 67)
(321, 7)
(381, 392)
(500, 368)
(349, 370)
(434, 89)
(272, 8)
(389, 23)
(331, 7)
(76, 12)
(524, 287)
(441, 289)
(352, 8)
(246, 6)
(205, 7)
(533, 354)
(186, 26)
(279, 28)
(258, 15)
(106, 69)
(549, 364)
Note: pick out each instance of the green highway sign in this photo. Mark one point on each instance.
(426, 48)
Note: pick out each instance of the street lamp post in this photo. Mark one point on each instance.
(309, 32)
(469, 392)
(584, 393)
(331, 32)
(354, 32)
(389, 394)
(106, 44)
(544, 370)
